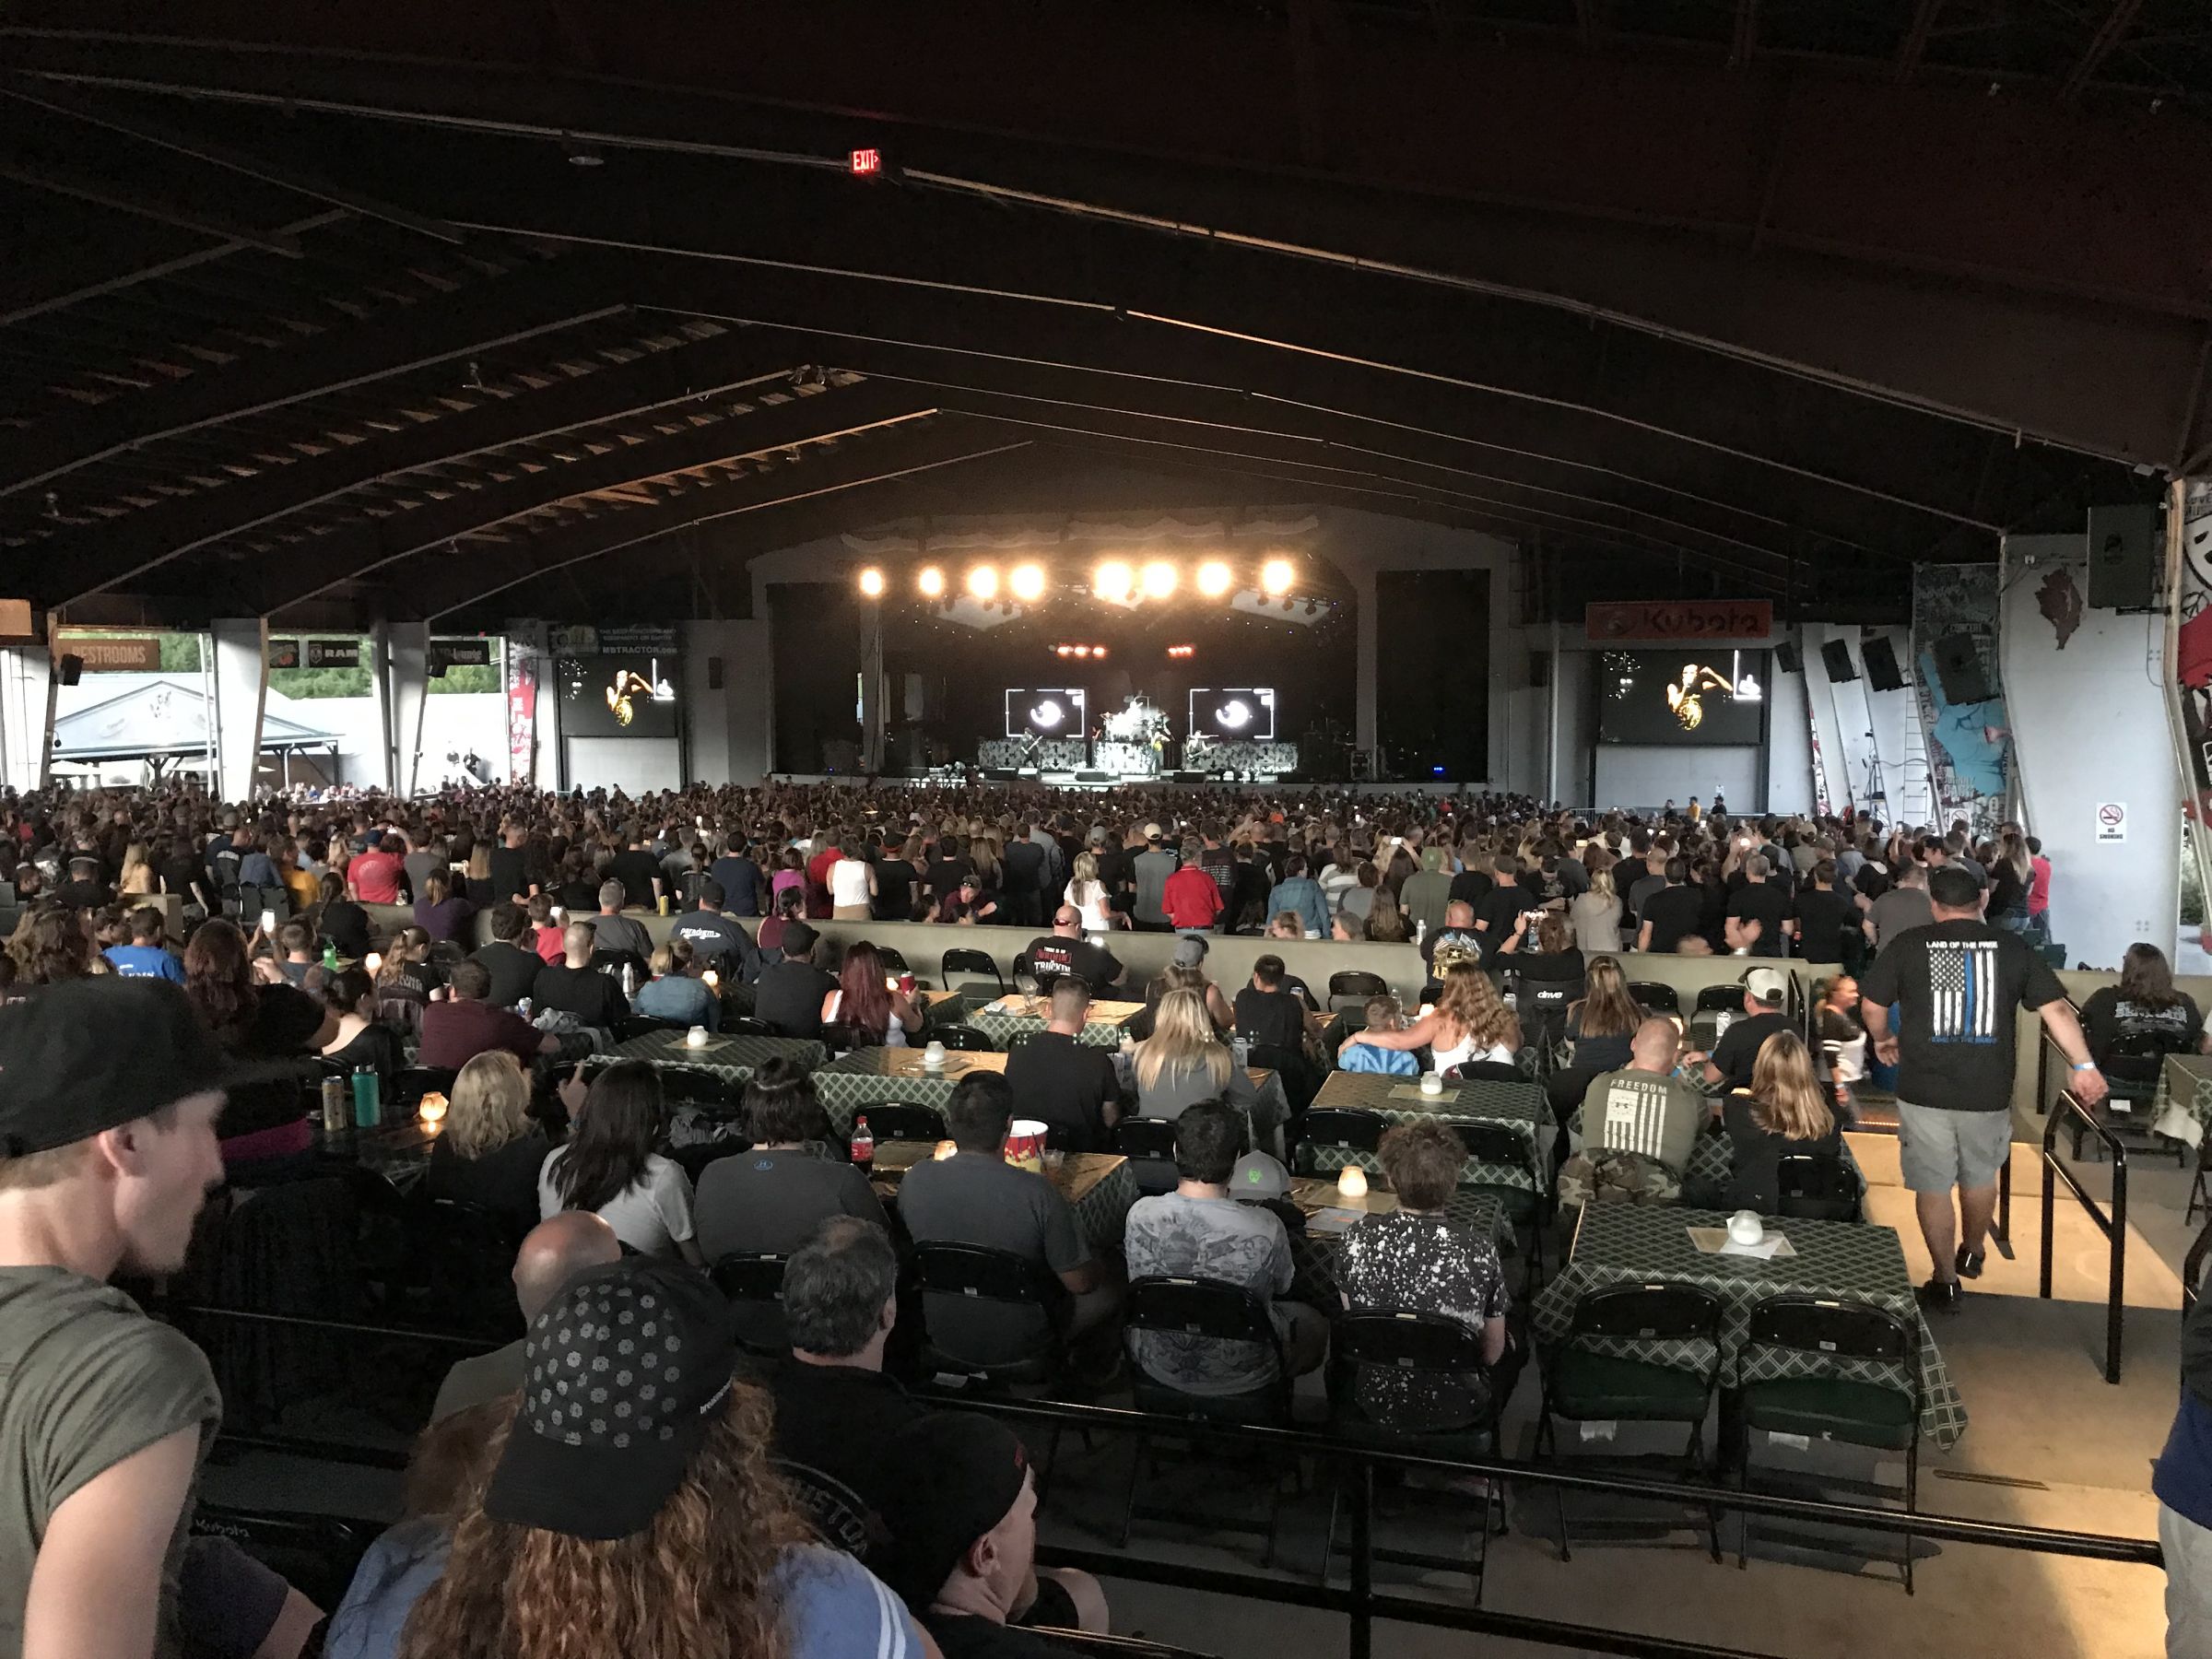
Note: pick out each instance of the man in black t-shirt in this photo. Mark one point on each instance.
(1499, 912)
(1957, 982)
(574, 986)
(789, 996)
(1267, 1014)
(1064, 1082)
(639, 873)
(1736, 1056)
(1757, 915)
(1065, 950)
(1671, 914)
(715, 940)
(513, 969)
(1819, 915)
(510, 868)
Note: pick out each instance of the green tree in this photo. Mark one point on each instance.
(180, 654)
(466, 677)
(320, 682)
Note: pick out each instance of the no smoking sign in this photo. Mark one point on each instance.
(2112, 821)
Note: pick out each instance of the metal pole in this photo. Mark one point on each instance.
(2180, 494)
(1363, 1563)
(1551, 742)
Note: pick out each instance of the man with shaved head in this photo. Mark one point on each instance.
(553, 1253)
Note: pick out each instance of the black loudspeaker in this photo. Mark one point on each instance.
(2123, 558)
(1539, 669)
(1789, 658)
(1836, 655)
(1882, 673)
(71, 667)
(1959, 669)
(714, 674)
(1095, 777)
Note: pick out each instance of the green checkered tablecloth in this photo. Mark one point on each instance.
(853, 1082)
(2182, 1108)
(1630, 1244)
(735, 1058)
(1103, 1212)
(1010, 1030)
(1313, 1254)
(1519, 1106)
(1713, 1157)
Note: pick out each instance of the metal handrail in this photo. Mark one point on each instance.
(2192, 1268)
(2112, 1224)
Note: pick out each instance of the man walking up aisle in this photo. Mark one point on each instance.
(1958, 981)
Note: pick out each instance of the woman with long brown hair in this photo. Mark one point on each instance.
(647, 1520)
(248, 1018)
(2145, 1006)
(1385, 920)
(1784, 1113)
(50, 945)
(867, 1004)
(609, 1167)
(1469, 1025)
(1602, 1026)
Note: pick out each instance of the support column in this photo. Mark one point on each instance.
(871, 690)
(242, 683)
(1364, 670)
(401, 674)
(26, 715)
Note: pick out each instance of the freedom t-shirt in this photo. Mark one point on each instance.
(1960, 983)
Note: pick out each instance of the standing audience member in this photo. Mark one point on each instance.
(439, 911)
(609, 1167)
(2182, 1480)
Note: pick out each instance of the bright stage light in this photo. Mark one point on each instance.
(982, 584)
(1160, 579)
(1028, 582)
(1276, 577)
(1114, 580)
(871, 582)
(931, 582)
(1215, 579)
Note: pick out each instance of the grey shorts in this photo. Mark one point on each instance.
(1940, 1149)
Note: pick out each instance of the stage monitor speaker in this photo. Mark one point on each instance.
(1094, 777)
(1882, 673)
(2123, 558)
(1789, 658)
(1836, 655)
(1000, 774)
(71, 667)
(1959, 669)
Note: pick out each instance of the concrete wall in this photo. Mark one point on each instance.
(2088, 723)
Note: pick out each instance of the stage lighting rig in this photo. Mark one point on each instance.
(871, 582)
(1160, 579)
(1115, 581)
(1277, 576)
(931, 581)
(982, 584)
(1215, 579)
(1027, 582)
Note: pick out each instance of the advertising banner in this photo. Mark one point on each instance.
(521, 717)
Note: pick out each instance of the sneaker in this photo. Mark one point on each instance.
(1941, 1296)
(1969, 1263)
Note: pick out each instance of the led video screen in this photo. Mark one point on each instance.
(617, 694)
(1700, 694)
(1053, 712)
(1237, 713)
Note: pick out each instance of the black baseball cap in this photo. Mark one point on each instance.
(622, 1376)
(961, 1473)
(89, 1054)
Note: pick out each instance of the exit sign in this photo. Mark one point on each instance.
(866, 163)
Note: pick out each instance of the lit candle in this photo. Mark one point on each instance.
(712, 979)
(944, 1150)
(373, 962)
(1352, 1184)
(432, 1112)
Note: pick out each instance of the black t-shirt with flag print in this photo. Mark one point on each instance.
(1959, 985)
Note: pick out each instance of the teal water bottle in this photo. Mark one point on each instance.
(368, 1101)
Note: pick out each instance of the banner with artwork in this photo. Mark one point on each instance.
(522, 716)
(1960, 694)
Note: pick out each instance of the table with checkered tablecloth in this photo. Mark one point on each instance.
(1009, 1030)
(1712, 1155)
(1518, 1106)
(1848, 1261)
(734, 1059)
(851, 1083)
(2182, 1108)
(1099, 1186)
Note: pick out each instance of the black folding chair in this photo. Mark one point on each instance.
(1816, 1186)
(2132, 1067)
(1833, 1408)
(1347, 1129)
(1655, 998)
(903, 1121)
(1149, 1146)
(746, 1026)
(1349, 989)
(1529, 1207)
(696, 1085)
(970, 962)
(964, 1037)
(1583, 1385)
(1172, 1309)
(465, 1258)
(644, 1025)
(753, 1283)
(1024, 1292)
(1110, 1647)
(612, 962)
(1415, 1381)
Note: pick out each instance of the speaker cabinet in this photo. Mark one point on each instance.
(1789, 657)
(2123, 558)
(72, 668)
(1882, 673)
(1836, 657)
(1959, 669)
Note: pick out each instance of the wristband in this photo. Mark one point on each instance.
(2084, 1065)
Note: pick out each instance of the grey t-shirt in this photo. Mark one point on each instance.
(1210, 1239)
(1657, 1115)
(88, 1381)
(1152, 870)
(1898, 909)
(771, 1202)
(973, 1199)
(619, 932)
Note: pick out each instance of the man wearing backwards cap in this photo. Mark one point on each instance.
(1736, 1052)
(964, 1538)
(108, 1091)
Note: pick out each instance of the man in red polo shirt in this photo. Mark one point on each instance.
(1191, 898)
(376, 873)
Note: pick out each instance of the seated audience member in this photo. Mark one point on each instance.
(1602, 1027)
(295, 955)
(1063, 1081)
(1188, 969)
(341, 920)
(1199, 1230)
(613, 931)
(976, 1197)
(716, 941)
(675, 992)
(408, 974)
(1260, 1179)
(875, 1013)
(252, 1021)
(791, 989)
(491, 1152)
(1382, 1015)
(572, 987)
(510, 958)
(1736, 1052)
(439, 911)
(1469, 1025)
(358, 1038)
(1417, 1260)
(2143, 1007)
(1643, 1108)
(547, 933)
(552, 1253)
(791, 906)
(1183, 1062)
(146, 956)
(770, 1200)
(1457, 941)
(963, 1543)
(596, 1535)
(109, 1113)
(1066, 950)
(1785, 1114)
(1267, 1013)
(1544, 954)
(467, 1023)
(609, 1167)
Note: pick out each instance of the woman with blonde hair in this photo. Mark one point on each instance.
(1784, 1113)
(489, 1152)
(1594, 917)
(1183, 1061)
(1469, 1025)
(1087, 894)
(1602, 1026)
(138, 878)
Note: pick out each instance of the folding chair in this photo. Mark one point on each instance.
(1348, 1129)
(1817, 1186)
(753, 1283)
(970, 962)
